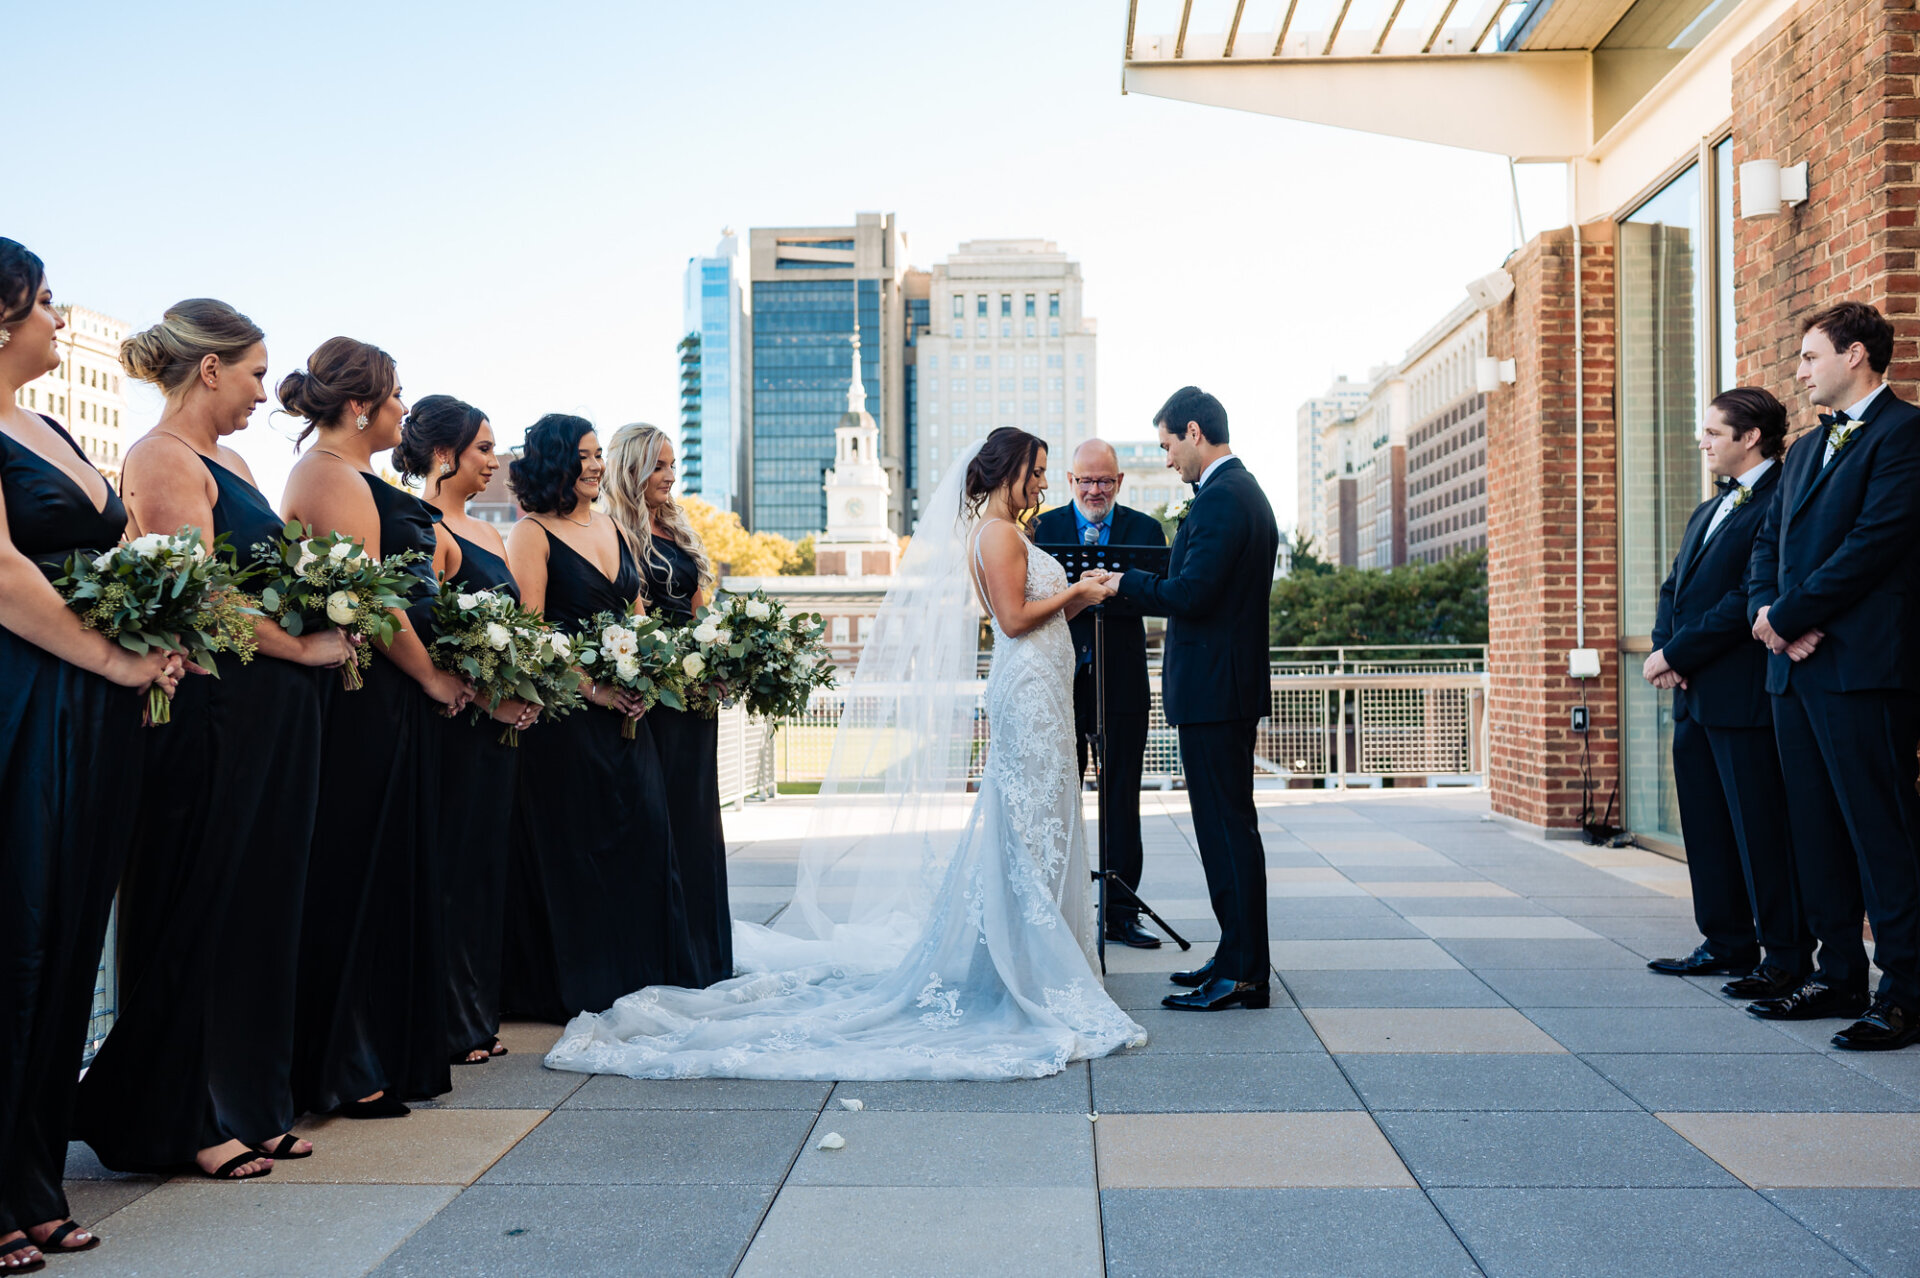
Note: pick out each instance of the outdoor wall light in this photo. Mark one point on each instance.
(1490, 289)
(1765, 186)
(1490, 374)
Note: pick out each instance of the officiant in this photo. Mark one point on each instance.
(1096, 517)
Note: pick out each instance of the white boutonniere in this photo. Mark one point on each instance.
(1740, 495)
(1178, 510)
(1840, 434)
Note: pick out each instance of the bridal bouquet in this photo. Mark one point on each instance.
(506, 651)
(333, 581)
(750, 649)
(166, 592)
(633, 653)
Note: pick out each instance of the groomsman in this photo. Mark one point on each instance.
(1732, 806)
(1096, 517)
(1834, 593)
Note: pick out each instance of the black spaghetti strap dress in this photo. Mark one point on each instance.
(370, 1010)
(476, 806)
(594, 907)
(202, 1051)
(689, 746)
(70, 760)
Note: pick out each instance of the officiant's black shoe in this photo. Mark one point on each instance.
(1886, 1027)
(1129, 932)
(1764, 982)
(1194, 977)
(1220, 993)
(1813, 1001)
(1704, 962)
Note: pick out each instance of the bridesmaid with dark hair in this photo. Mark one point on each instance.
(678, 580)
(197, 1070)
(70, 758)
(370, 1008)
(448, 444)
(594, 903)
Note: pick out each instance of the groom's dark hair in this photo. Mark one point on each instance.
(1191, 404)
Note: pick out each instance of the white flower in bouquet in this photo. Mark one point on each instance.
(341, 551)
(723, 637)
(199, 553)
(759, 609)
(498, 636)
(620, 641)
(307, 557)
(805, 661)
(150, 545)
(693, 665)
(468, 602)
(102, 560)
(706, 632)
(562, 646)
(342, 607)
(484, 596)
(628, 668)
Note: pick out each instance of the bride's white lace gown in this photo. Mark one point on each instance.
(1000, 983)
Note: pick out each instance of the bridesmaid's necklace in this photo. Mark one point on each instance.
(584, 523)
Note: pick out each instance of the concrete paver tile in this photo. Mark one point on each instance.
(1282, 1081)
(513, 1081)
(427, 1147)
(1361, 988)
(609, 1091)
(1661, 1029)
(1463, 1080)
(1272, 1030)
(1384, 926)
(957, 1149)
(1477, 953)
(1501, 928)
(1168, 958)
(1781, 1151)
(1068, 1092)
(529, 1038)
(656, 1147)
(1879, 1229)
(1804, 1082)
(1511, 1149)
(1475, 887)
(1594, 987)
(1245, 1151)
(1428, 1029)
(1309, 956)
(831, 1231)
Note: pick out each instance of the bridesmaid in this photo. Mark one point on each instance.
(197, 1068)
(448, 444)
(370, 1011)
(594, 903)
(70, 756)
(678, 578)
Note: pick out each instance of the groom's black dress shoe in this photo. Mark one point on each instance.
(1886, 1027)
(1194, 977)
(1220, 993)
(1811, 1002)
(1129, 932)
(1704, 962)
(1764, 982)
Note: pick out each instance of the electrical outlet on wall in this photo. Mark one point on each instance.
(1580, 719)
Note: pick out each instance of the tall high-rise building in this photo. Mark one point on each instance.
(713, 376)
(1006, 343)
(85, 394)
(812, 289)
(1149, 484)
(1447, 439)
(1343, 399)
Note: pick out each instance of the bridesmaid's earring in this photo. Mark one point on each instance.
(446, 468)
(360, 422)
(6, 335)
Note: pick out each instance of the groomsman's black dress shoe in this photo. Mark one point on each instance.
(1220, 993)
(1704, 962)
(1129, 932)
(1813, 1001)
(1886, 1027)
(1193, 977)
(1763, 982)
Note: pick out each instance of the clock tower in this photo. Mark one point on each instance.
(857, 541)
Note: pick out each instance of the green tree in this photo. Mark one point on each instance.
(1320, 605)
(800, 563)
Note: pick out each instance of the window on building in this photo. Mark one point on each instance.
(1054, 383)
(1006, 361)
(980, 305)
(1006, 408)
(1079, 405)
(1029, 361)
(980, 329)
(1080, 360)
(1031, 330)
(959, 306)
(1053, 361)
(1056, 407)
(931, 385)
(959, 329)
(1029, 306)
(983, 361)
(1006, 306)
(1006, 328)
(1053, 305)
(1030, 383)
(1031, 408)
(840, 629)
(1053, 328)
(956, 361)
(983, 383)
(1080, 382)
(1007, 383)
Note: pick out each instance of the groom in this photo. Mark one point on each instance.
(1215, 684)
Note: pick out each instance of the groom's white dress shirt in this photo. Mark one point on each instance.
(1207, 474)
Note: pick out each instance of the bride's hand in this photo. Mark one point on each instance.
(1098, 587)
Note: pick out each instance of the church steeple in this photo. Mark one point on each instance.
(856, 392)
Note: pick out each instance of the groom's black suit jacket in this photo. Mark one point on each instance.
(1215, 599)
(1127, 690)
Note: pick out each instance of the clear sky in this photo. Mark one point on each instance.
(504, 196)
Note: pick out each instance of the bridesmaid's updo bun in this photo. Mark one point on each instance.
(21, 275)
(1008, 457)
(434, 423)
(543, 476)
(168, 355)
(342, 370)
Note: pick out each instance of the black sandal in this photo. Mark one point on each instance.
(23, 1243)
(52, 1246)
(229, 1170)
(466, 1057)
(285, 1149)
(381, 1107)
(499, 1048)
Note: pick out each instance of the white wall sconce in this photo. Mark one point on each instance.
(1583, 663)
(1765, 185)
(1490, 374)
(1490, 289)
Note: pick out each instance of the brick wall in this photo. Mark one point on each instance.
(1832, 83)
(1534, 764)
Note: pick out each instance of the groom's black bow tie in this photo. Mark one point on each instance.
(1835, 419)
(1726, 483)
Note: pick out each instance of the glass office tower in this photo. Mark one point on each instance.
(713, 377)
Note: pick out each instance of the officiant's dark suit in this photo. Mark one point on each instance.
(1726, 770)
(1214, 683)
(1840, 553)
(1128, 696)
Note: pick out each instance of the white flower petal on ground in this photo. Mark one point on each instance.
(854, 1105)
(833, 1140)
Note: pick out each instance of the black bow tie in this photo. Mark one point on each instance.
(1726, 483)
(1835, 419)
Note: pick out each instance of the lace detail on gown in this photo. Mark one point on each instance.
(1002, 981)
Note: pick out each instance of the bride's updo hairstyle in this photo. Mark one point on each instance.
(168, 355)
(434, 423)
(340, 371)
(1008, 457)
(543, 476)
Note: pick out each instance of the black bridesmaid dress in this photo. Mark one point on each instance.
(594, 907)
(476, 800)
(202, 1052)
(70, 760)
(689, 746)
(370, 1012)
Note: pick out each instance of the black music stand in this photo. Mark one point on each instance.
(1078, 559)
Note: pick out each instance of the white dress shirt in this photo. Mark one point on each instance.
(1746, 481)
(1853, 414)
(1207, 474)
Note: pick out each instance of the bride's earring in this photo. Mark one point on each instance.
(360, 422)
(446, 468)
(6, 335)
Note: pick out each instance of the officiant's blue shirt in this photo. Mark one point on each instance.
(1081, 523)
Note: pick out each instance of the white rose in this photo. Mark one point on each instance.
(307, 557)
(199, 552)
(102, 560)
(497, 635)
(486, 595)
(562, 647)
(627, 668)
(626, 644)
(705, 632)
(611, 635)
(805, 661)
(468, 602)
(150, 544)
(724, 637)
(342, 606)
(693, 664)
(759, 609)
(341, 550)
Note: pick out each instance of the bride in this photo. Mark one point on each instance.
(932, 934)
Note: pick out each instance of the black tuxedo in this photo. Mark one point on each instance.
(1840, 552)
(1215, 687)
(1725, 765)
(1128, 697)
